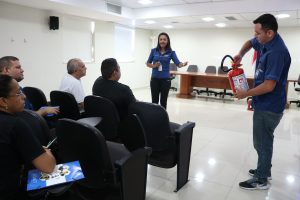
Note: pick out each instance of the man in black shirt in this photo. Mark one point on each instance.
(107, 86)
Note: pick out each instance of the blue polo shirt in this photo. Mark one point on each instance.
(273, 63)
(164, 59)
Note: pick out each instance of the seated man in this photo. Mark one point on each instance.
(71, 82)
(107, 86)
(18, 145)
(11, 66)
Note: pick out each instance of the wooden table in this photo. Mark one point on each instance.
(189, 80)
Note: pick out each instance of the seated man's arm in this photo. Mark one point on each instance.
(48, 110)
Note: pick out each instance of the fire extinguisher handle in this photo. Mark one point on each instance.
(222, 63)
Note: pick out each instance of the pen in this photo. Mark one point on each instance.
(51, 142)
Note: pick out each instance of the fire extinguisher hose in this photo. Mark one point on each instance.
(222, 63)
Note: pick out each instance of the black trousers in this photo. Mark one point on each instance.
(160, 88)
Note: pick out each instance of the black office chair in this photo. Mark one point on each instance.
(132, 133)
(297, 90)
(209, 70)
(68, 106)
(193, 68)
(110, 170)
(220, 71)
(174, 83)
(36, 97)
(96, 106)
(170, 142)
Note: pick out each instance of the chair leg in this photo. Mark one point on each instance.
(184, 141)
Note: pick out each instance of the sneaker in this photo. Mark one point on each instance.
(254, 184)
(253, 171)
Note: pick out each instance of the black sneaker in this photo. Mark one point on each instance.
(253, 171)
(254, 184)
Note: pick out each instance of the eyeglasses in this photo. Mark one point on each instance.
(19, 93)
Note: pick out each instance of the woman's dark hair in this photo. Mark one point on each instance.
(168, 47)
(5, 87)
(108, 66)
(268, 22)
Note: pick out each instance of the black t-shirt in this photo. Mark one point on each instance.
(120, 94)
(18, 146)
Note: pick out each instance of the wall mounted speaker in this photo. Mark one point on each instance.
(53, 23)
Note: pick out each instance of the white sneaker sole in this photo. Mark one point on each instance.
(257, 187)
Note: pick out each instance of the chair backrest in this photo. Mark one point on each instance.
(155, 121)
(36, 97)
(192, 68)
(220, 71)
(211, 70)
(79, 141)
(132, 133)
(38, 125)
(96, 106)
(173, 67)
(68, 107)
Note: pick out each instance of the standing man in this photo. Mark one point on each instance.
(107, 86)
(71, 82)
(11, 66)
(269, 94)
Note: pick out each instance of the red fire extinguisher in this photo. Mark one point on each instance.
(236, 75)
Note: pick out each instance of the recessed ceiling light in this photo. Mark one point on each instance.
(145, 2)
(149, 22)
(208, 19)
(220, 25)
(168, 26)
(282, 16)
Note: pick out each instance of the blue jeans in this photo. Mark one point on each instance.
(264, 124)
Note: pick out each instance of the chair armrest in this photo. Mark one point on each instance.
(92, 121)
(184, 134)
(132, 172)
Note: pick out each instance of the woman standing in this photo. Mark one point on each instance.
(18, 146)
(159, 61)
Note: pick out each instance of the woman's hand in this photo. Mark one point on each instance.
(154, 65)
(183, 64)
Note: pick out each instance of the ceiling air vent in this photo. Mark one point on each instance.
(231, 18)
(114, 8)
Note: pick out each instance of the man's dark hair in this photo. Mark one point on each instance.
(108, 66)
(5, 62)
(5, 87)
(268, 22)
(168, 47)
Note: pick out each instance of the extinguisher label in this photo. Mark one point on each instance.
(240, 82)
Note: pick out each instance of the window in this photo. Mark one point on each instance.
(78, 39)
(124, 43)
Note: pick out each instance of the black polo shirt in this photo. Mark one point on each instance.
(120, 94)
(18, 146)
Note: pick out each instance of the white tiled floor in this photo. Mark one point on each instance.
(222, 152)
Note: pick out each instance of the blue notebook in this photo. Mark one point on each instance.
(63, 173)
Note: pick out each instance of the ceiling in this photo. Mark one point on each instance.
(180, 14)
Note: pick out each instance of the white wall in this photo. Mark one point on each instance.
(26, 35)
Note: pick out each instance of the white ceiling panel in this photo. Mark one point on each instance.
(179, 13)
